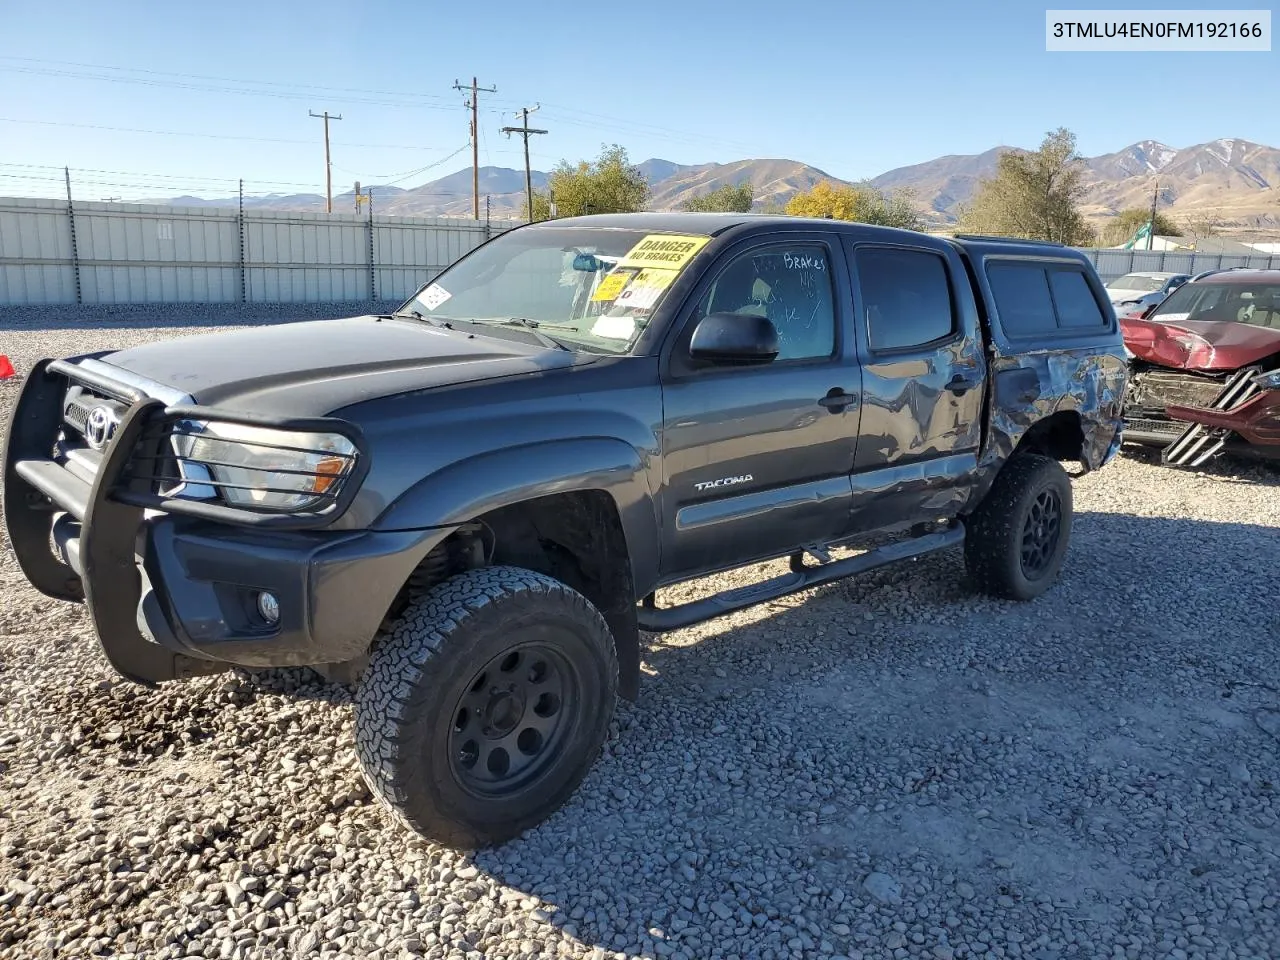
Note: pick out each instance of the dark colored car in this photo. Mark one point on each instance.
(468, 505)
(1206, 369)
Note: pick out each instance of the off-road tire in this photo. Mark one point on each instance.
(408, 698)
(994, 531)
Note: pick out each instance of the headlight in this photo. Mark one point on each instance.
(266, 469)
(1268, 381)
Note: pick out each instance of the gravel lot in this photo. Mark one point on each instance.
(888, 767)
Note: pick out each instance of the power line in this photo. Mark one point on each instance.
(185, 178)
(389, 179)
(568, 115)
(212, 88)
(264, 83)
(391, 182)
(210, 136)
(473, 104)
(525, 132)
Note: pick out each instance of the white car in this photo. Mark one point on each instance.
(1137, 291)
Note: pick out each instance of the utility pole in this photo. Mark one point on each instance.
(1151, 233)
(328, 168)
(525, 132)
(474, 106)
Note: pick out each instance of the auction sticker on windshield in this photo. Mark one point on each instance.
(645, 289)
(612, 285)
(433, 296)
(668, 250)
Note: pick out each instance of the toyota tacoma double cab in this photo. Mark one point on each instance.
(466, 507)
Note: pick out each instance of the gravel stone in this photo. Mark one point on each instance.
(1120, 734)
(883, 888)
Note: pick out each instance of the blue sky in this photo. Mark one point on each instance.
(855, 88)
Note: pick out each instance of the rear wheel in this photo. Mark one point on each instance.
(1016, 541)
(485, 708)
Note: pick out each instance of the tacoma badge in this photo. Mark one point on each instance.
(723, 482)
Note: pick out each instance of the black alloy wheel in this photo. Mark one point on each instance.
(513, 720)
(1040, 534)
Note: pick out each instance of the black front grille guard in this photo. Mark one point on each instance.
(111, 508)
(153, 461)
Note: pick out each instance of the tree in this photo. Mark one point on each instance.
(608, 184)
(1034, 195)
(860, 202)
(1128, 222)
(1201, 226)
(726, 199)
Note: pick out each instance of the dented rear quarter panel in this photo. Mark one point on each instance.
(1081, 370)
(1030, 387)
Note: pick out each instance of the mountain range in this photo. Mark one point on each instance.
(1231, 181)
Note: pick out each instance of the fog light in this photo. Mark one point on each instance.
(269, 607)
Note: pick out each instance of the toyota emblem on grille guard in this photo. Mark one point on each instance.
(99, 427)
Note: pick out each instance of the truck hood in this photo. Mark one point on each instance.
(1199, 344)
(314, 368)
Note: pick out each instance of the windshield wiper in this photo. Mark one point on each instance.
(535, 325)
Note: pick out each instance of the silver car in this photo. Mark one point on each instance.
(1137, 291)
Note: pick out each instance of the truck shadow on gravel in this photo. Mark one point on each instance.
(1063, 761)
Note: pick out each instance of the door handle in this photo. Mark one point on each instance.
(959, 384)
(836, 400)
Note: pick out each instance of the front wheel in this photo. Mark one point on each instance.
(484, 709)
(1016, 541)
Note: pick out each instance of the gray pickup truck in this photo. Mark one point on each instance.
(465, 507)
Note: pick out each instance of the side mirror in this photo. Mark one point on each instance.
(1150, 310)
(734, 338)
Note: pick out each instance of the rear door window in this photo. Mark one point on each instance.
(906, 298)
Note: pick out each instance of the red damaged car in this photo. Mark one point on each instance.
(1205, 369)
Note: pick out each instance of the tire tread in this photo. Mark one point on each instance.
(404, 666)
(993, 532)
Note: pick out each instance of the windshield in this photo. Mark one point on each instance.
(591, 288)
(1134, 281)
(1254, 304)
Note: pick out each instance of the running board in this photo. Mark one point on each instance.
(654, 620)
(1198, 443)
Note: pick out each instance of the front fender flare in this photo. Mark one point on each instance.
(469, 488)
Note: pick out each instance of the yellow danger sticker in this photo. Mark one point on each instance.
(668, 250)
(646, 288)
(612, 285)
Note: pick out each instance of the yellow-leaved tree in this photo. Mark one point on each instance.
(858, 202)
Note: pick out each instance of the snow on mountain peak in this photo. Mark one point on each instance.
(1221, 150)
(1153, 154)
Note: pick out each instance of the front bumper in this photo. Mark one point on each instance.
(174, 595)
(1256, 420)
(1194, 416)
